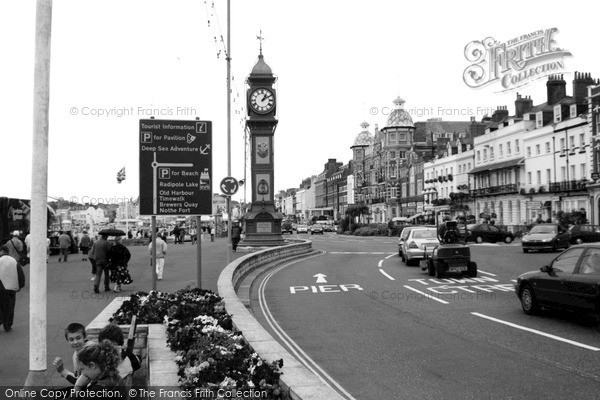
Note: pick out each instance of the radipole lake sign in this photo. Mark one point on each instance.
(175, 167)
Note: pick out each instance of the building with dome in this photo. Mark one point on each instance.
(388, 164)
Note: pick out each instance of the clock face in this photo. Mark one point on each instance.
(262, 100)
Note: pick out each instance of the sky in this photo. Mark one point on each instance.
(338, 64)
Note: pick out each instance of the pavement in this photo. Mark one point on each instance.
(71, 299)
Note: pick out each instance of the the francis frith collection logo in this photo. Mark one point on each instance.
(515, 62)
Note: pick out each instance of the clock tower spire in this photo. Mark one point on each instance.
(263, 222)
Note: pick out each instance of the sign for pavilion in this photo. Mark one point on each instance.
(515, 62)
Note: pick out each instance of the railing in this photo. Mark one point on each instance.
(567, 186)
(495, 190)
(411, 199)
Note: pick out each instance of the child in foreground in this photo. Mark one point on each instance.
(76, 336)
(99, 363)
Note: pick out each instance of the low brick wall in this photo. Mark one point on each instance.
(297, 380)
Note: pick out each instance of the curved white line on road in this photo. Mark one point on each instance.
(292, 346)
(390, 256)
(426, 295)
(486, 273)
(387, 275)
(380, 263)
(548, 335)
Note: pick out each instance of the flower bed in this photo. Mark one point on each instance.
(211, 357)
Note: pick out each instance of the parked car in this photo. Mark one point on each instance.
(402, 239)
(417, 242)
(479, 233)
(316, 229)
(286, 227)
(571, 281)
(584, 234)
(302, 228)
(546, 237)
(328, 228)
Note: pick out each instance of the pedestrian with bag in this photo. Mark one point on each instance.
(119, 256)
(236, 234)
(12, 279)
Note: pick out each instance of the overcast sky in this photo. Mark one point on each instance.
(338, 64)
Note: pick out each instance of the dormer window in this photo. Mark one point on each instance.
(573, 111)
(557, 114)
(539, 119)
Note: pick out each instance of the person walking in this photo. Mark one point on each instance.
(119, 256)
(12, 279)
(193, 235)
(236, 235)
(64, 244)
(182, 235)
(84, 245)
(161, 252)
(15, 246)
(101, 255)
(176, 232)
(210, 231)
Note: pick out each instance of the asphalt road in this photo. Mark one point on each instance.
(379, 329)
(71, 299)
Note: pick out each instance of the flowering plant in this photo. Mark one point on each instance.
(210, 354)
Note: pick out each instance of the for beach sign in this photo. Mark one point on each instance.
(514, 63)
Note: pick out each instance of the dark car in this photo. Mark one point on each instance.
(479, 233)
(584, 234)
(571, 282)
(546, 237)
(316, 228)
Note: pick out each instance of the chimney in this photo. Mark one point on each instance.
(556, 88)
(522, 105)
(499, 114)
(580, 84)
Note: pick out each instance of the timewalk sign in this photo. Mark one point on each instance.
(175, 167)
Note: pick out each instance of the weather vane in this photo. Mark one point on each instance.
(260, 38)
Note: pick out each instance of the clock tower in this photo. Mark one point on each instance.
(263, 222)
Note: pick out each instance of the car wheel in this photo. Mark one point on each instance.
(525, 250)
(528, 301)
(430, 268)
(554, 248)
(472, 270)
(578, 241)
(479, 239)
(508, 239)
(403, 258)
(439, 271)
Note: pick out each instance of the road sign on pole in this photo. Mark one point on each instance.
(229, 186)
(175, 167)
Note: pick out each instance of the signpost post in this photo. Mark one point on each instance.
(175, 170)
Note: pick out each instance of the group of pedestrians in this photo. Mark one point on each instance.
(110, 259)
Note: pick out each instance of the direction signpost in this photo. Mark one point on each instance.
(175, 173)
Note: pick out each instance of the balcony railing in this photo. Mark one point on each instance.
(495, 190)
(411, 199)
(567, 186)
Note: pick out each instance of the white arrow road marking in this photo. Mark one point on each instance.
(585, 346)
(320, 278)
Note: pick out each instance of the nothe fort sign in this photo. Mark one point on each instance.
(175, 167)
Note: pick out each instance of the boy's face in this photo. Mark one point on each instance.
(76, 340)
(91, 370)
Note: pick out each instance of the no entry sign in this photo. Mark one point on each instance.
(175, 167)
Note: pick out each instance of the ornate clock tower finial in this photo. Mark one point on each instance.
(263, 221)
(260, 39)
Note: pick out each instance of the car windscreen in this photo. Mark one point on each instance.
(424, 234)
(543, 229)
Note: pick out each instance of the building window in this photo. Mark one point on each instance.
(539, 177)
(537, 149)
(563, 173)
(392, 137)
(517, 148)
(392, 154)
(491, 153)
(547, 147)
(528, 151)
(548, 175)
(469, 167)
(573, 110)
(478, 156)
(500, 150)
(557, 115)
(562, 144)
(529, 178)
(581, 141)
(571, 143)
(508, 148)
(539, 120)
(402, 137)
(583, 171)
(572, 177)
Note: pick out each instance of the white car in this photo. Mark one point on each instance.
(302, 229)
(418, 242)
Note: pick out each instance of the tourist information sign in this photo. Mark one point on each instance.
(175, 167)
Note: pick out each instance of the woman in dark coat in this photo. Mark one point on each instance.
(119, 256)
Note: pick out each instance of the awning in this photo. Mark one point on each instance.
(497, 166)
